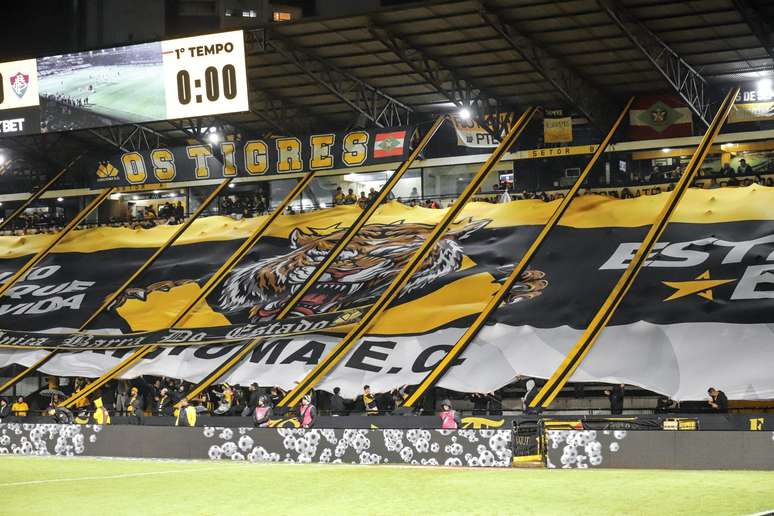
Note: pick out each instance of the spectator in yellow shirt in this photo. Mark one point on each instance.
(20, 408)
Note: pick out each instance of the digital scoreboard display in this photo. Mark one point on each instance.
(178, 78)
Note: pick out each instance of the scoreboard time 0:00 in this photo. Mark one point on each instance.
(207, 75)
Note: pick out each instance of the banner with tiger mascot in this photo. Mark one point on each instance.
(700, 312)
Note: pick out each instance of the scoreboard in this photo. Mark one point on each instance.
(178, 78)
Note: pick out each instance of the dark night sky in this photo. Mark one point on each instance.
(29, 29)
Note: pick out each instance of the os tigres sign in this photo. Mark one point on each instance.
(248, 158)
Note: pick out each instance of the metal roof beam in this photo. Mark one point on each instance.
(688, 83)
(758, 25)
(447, 81)
(129, 138)
(579, 92)
(372, 104)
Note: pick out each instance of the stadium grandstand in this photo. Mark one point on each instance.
(456, 243)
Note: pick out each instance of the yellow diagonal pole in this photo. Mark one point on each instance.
(32, 262)
(141, 352)
(37, 193)
(320, 268)
(172, 239)
(351, 338)
(581, 348)
(150, 261)
(462, 343)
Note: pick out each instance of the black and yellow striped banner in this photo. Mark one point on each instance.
(462, 343)
(38, 193)
(211, 283)
(321, 267)
(32, 262)
(37, 259)
(397, 284)
(581, 348)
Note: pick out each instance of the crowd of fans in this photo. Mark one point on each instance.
(253, 204)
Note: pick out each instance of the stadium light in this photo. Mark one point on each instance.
(2, 159)
(59, 199)
(464, 113)
(231, 185)
(213, 138)
(665, 150)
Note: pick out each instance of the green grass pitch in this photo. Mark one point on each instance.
(61, 486)
(130, 92)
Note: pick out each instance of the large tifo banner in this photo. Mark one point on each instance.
(249, 158)
(701, 312)
(176, 78)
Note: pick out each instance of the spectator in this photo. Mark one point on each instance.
(531, 390)
(616, 397)
(362, 200)
(163, 404)
(101, 415)
(718, 400)
(337, 403)
(20, 408)
(372, 195)
(252, 399)
(338, 197)
(150, 213)
(134, 406)
(351, 198)
(122, 397)
(307, 413)
(5, 409)
(743, 169)
(726, 170)
(262, 413)
(369, 402)
(185, 415)
(450, 418)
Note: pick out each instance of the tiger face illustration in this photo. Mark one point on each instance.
(358, 275)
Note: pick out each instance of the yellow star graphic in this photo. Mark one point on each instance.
(701, 286)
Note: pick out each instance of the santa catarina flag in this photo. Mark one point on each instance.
(389, 144)
(659, 116)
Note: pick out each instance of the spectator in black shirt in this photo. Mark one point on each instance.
(718, 401)
(337, 403)
(743, 169)
(616, 397)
